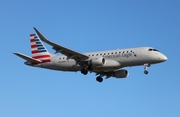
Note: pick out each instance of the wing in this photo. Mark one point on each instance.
(58, 48)
(27, 58)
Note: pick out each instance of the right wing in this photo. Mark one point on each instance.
(58, 48)
(29, 59)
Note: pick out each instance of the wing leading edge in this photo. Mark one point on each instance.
(58, 48)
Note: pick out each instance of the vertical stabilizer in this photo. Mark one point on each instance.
(38, 49)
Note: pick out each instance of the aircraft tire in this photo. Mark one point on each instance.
(145, 72)
(83, 71)
(99, 79)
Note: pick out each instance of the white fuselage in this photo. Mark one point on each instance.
(103, 63)
(124, 57)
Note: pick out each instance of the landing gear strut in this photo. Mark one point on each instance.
(145, 68)
(84, 71)
(99, 79)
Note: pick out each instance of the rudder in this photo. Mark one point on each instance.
(38, 50)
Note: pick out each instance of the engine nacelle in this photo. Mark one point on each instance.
(100, 61)
(121, 73)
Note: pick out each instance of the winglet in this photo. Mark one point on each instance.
(58, 48)
(40, 35)
(43, 38)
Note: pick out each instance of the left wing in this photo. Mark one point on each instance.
(58, 48)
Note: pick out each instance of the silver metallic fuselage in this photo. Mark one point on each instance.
(115, 59)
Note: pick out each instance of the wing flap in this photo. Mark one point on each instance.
(58, 48)
(27, 58)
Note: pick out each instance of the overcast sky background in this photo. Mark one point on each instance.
(86, 26)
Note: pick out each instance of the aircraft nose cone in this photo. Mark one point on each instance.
(164, 58)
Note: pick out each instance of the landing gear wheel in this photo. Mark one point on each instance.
(146, 72)
(84, 71)
(99, 79)
(145, 68)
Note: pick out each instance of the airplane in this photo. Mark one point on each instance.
(107, 64)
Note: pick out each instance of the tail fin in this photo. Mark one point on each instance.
(38, 49)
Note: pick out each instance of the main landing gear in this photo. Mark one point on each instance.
(84, 71)
(99, 79)
(145, 68)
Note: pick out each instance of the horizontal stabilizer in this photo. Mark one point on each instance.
(29, 59)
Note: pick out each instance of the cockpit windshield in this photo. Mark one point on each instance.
(151, 49)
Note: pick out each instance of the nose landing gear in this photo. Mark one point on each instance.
(145, 68)
(145, 72)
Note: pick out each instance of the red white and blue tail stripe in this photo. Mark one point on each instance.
(38, 49)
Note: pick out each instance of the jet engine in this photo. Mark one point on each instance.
(121, 73)
(100, 61)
